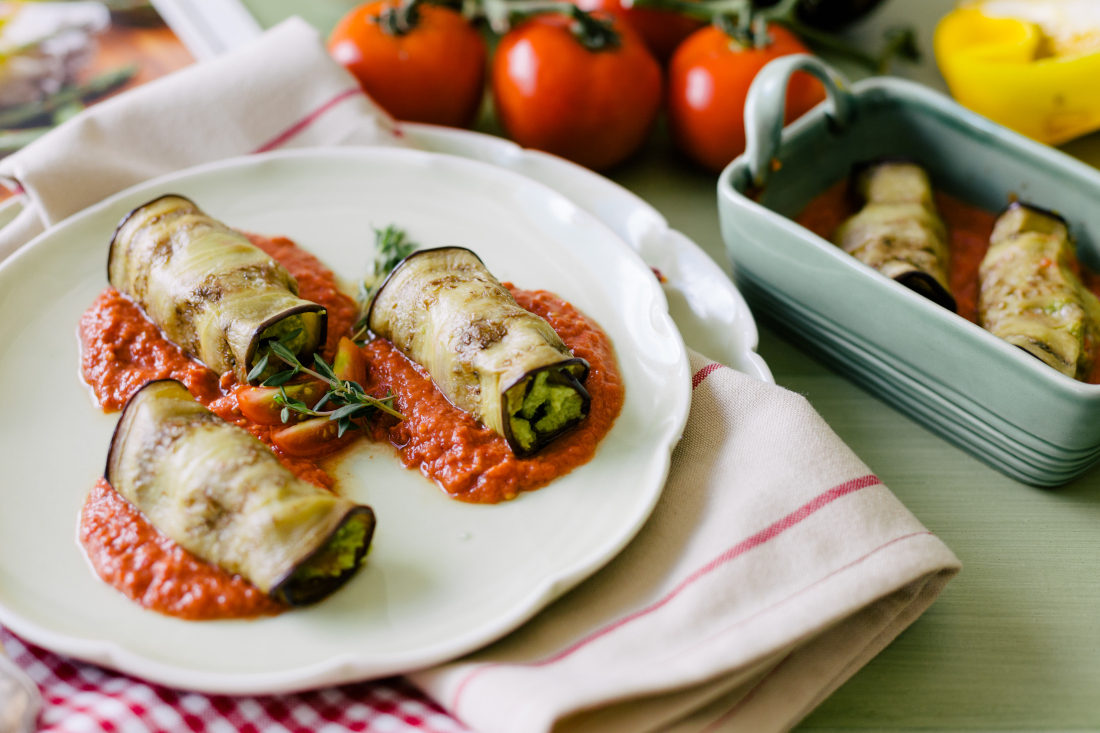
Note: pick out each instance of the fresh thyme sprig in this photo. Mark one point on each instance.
(391, 246)
(348, 399)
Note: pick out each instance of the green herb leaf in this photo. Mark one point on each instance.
(257, 370)
(284, 414)
(346, 411)
(342, 426)
(285, 354)
(322, 366)
(391, 245)
(287, 338)
(280, 378)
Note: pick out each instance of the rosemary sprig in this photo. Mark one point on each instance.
(348, 398)
(391, 245)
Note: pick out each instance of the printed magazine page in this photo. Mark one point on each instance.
(60, 57)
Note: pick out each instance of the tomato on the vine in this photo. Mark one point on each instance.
(709, 79)
(661, 30)
(420, 62)
(583, 87)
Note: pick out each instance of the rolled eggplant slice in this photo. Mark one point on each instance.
(212, 292)
(1031, 296)
(221, 494)
(898, 231)
(504, 365)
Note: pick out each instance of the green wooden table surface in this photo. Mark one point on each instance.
(1013, 644)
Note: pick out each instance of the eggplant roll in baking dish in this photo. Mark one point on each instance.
(898, 231)
(1030, 295)
(221, 494)
(212, 292)
(504, 365)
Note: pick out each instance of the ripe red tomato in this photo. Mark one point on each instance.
(434, 72)
(258, 403)
(709, 79)
(311, 439)
(551, 92)
(350, 365)
(661, 30)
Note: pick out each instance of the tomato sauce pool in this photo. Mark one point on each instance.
(121, 350)
(968, 226)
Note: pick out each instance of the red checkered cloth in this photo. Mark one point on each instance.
(82, 697)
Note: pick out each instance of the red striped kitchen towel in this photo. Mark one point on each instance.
(82, 698)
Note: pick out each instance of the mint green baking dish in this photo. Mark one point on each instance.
(991, 399)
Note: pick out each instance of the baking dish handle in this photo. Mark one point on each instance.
(766, 106)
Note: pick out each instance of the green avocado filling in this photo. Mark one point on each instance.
(538, 407)
(274, 333)
(337, 556)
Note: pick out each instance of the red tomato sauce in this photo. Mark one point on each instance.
(969, 228)
(133, 557)
(470, 461)
(121, 350)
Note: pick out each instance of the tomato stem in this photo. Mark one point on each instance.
(747, 26)
(400, 19)
(595, 34)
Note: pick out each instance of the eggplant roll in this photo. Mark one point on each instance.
(1030, 295)
(898, 231)
(223, 495)
(504, 365)
(212, 292)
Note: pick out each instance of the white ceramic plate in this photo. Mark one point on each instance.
(443, 577)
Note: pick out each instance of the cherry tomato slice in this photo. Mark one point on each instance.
(258, 403)
(311, 439)
(349, 364)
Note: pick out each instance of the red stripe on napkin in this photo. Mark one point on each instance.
(813, 585)
(703, 373)
(306, 121)
(768, 533)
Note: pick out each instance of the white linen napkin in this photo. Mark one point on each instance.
(775, 564)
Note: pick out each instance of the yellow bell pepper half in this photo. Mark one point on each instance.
(998, 67)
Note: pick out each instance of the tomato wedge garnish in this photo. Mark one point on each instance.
(349, 364)
(258, 403)
(311, 439)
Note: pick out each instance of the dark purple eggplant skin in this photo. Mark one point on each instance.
(829, 15)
